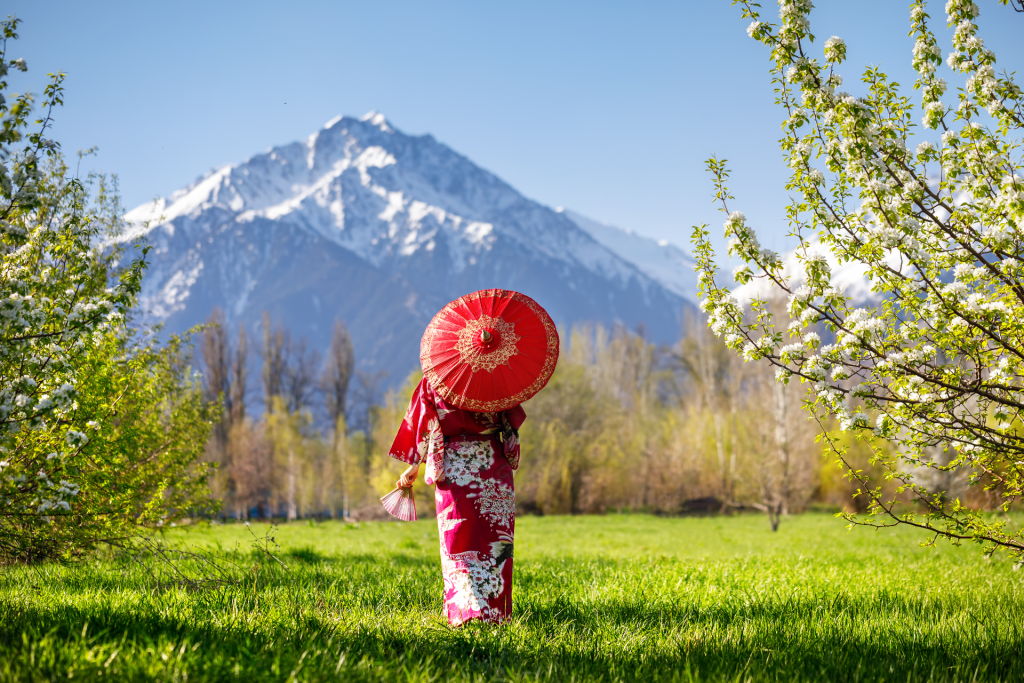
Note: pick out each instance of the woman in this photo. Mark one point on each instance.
(482, 356)
(469, 456)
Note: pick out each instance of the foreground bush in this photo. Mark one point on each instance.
(98, 424)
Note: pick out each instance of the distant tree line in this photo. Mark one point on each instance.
(623, 425)
(626, 425)
(283, 446)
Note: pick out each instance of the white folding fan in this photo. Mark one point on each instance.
(400, 504)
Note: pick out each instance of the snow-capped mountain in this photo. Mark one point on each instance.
(380, 229)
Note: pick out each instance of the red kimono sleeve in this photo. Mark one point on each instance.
(420, 434)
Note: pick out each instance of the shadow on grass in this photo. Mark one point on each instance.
(302, 565)
(726, 611)
(309, 555)
(553, 641)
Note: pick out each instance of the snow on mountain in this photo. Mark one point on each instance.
(378, 228)
(668, 264)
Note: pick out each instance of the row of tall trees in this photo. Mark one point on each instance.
(627, 425)
(623, 425)
(282, 446)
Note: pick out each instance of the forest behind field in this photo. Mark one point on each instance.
(623, 425)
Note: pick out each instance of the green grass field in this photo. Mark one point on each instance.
(621, 597)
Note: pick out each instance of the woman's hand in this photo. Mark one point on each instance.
(408, 477)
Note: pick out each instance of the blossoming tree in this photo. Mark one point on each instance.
(931, 375)
(99, 429)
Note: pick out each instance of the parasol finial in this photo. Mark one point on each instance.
(485, 336)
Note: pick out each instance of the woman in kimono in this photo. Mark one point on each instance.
(482, 356)
(469, 456)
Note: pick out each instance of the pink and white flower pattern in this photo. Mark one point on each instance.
(472, 469)
(476, 522)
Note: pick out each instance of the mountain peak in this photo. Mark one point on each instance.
(375, 118)
(381, 229)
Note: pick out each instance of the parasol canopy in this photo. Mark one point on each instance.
(490, 350)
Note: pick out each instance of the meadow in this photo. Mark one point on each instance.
(597, 598)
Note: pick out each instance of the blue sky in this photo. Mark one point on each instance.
(608, 108)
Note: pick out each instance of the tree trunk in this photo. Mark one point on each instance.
(341, 451)
(292, 511)
(782, 439)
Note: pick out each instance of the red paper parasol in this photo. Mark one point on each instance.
(490, 350)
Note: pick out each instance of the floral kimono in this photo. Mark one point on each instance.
(470, 458)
